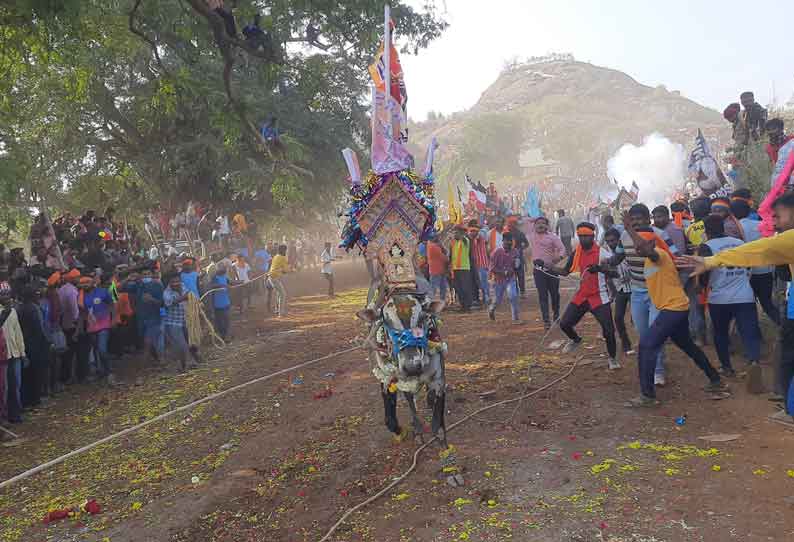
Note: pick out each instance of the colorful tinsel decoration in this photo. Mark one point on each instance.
(361, 194)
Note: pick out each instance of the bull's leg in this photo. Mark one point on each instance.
(431, 398)
(419, 428)
(439, 425)
(390, 409)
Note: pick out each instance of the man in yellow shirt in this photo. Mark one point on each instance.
(701, 207)
(278, 268)
(667, 295)
(777, 250)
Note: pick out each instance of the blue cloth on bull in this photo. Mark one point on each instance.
(404, 338)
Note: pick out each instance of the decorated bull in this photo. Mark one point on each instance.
(407, 354)
(391, 211)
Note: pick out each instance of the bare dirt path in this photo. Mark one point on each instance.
(282, 460)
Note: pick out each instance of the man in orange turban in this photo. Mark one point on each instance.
(593, 294)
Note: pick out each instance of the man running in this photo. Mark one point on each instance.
(667, 295)
(547, 250)
(593, 294)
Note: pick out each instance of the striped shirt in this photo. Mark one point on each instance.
(636, 262)
(479, 252)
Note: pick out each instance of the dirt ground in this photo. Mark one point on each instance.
(283, 459)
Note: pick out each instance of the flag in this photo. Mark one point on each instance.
(454, 211)
(430, 156)
(477, 196)
(635, 190)
(387, 154)
(398, 94)
(705, 170)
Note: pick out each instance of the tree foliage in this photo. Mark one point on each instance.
(142, 102)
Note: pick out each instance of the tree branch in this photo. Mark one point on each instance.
(142, 35)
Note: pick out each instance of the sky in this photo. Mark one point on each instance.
(709, 50)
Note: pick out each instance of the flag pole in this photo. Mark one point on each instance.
(387, 66)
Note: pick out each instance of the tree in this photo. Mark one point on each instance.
(155, 102)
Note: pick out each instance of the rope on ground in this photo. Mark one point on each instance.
(168, 414)
(419, 450)
(542, 341)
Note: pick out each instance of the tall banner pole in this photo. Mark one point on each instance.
(387, 65)
(45, 211)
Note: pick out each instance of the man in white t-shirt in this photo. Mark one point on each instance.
(326, 258)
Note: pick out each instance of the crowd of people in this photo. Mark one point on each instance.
(643, 264)
(92, 292)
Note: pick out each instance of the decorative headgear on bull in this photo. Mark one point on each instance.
(392, 210)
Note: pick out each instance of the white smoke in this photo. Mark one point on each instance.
(658, 166)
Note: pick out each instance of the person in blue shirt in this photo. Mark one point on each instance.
(190, 278)
(221, 300)
(148, 295)
(730, 298)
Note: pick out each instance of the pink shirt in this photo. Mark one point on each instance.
(546, 247)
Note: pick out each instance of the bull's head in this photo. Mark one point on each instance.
(406, 321)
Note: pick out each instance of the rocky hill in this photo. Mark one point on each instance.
(555, 117)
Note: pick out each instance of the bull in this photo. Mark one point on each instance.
(407, 354)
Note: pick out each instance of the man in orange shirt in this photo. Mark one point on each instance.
(438, 264)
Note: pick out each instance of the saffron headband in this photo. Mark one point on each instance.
(582, 230)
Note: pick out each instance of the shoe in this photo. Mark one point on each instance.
(518, 323)
(715, 387)
(643, 401)
(755, 383)
(629, 352)
(571, 346)
(613, 364)
(492, 313)
(659, 380)
(776, 398)
(546, 326)
(727, 372)
(111, 380)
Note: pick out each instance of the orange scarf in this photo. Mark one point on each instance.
(577, 257)
(679, 217)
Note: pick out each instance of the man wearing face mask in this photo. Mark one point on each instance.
(779, 149)
(593, 294)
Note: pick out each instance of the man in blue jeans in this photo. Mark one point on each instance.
(175, 301)
(643, 311)
(504, 264)
(672, 321)
(731, 298)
